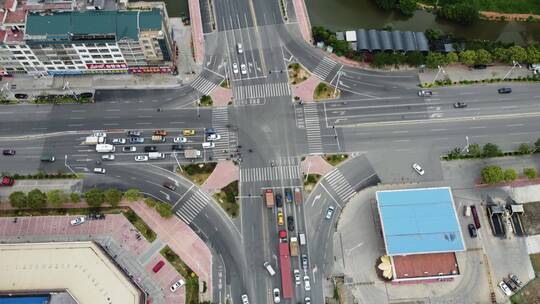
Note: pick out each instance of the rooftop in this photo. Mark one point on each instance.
(419, 221)
(65, 25)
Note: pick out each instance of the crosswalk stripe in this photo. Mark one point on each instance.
(203, 85)
(324, 68)
(313, 128)
(193, 206)
(261, 90)
(340, 185)
(270, 173)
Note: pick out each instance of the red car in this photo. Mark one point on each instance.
(7, 181)
(158, 266)
(283, 234)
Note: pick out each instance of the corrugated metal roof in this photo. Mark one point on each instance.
(397, 40)
(419, 221)
(373, 39)
(421, 41)
(385, 41)
(408, 41)
(362, 40)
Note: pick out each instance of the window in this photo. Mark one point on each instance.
(117, 55)
(27, 52)
(17, 52)
(35, 63)
(85, 56)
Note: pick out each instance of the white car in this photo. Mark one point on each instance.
(307, 286)
(235, 68)
(245, 299)
(78, 220)
(239, 48)
(141, 158)
(107, 156)
(177, 285)
(180, 140)
(99, 170)
(505, 288)
(418, 169)
(100, 134)
(424, 93)
(307, 300)
(208, 145)
(243, 69)
(213, 137)
(329, 212)
(119, 141)
(277, 296)
(297, 277)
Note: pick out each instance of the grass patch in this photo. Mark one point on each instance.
(198, 173)
(535, 260)
(225, 84)
(206, 101)
(297, 74)
(226, 198)
(335, 159)
(191, 278)
(324, 91)
(143, 228)
(310, 182)
(46, 99)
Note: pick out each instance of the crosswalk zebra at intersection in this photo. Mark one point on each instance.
(193, 206)
(324, 68)
(340, 185)
(220, 120)
(269, 173)
(203, 85)
(261, 90)
(313, 128)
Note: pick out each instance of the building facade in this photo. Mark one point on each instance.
(87, 42)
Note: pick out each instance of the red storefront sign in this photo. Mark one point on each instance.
(162, 69)
(106, 66)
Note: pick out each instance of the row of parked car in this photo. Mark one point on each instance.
(510, 284)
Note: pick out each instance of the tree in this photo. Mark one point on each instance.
(386, 4)
(37, 199)
(483, 57)
(455, 153)
(165, 210)
(524, 149)
(510, 175)
(56, 198)
(340, 47)
(433, 60)
(500, 55)
(491, 150)
(320, 34)
(451, 58)
(517, 53)
(492, 174)
(18, 199)
(467, 57)
(132, 195)
(113, 196)
(530, 173)
(407, 7)
(415, 58)
(537, 145)
(474, 150)
(94, 198)
(464, 13)
(74, 197)
(533, 54)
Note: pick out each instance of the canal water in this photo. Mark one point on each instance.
(353, 14)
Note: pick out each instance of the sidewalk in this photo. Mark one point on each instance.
(315, 164)
(458, 72)
(306, 88)
(45, 185)
(188, 69)
(225, 173)
(303, 20)
(196, 30)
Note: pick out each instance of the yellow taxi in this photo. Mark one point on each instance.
(188, 132)
(280, 218)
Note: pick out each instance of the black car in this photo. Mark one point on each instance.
(279, 200)
(209, 131)
(459, 105)
(85, 95)
(150, 149)
(169, 186)
(505, 90)
(479, 66)
(177, 147)
(472, 230)
(288, 195)
(21, 96)
(290, 223)
(8, 152)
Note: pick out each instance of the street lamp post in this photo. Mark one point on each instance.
(439, 70)
(466, 148)
(515, 63)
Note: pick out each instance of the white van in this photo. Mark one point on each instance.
(302, 239)
(156, 155)
(269, 268)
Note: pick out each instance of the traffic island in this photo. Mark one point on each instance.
(335, 159)
(324, 91)
(297, 74)
(192, 280)
(197, 173)
(206, 101)
(310, 181)
(226, 198)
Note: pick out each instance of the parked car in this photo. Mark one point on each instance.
(418, 169)
(479, 66)
(510, 284)
(514, 278)
(21, 96)
(169, 186)
(425, 93)
(129, 149)
(177, 285)
(290, 223)
(148, 149)
(48, 158)
(277, 295)
(136, 140)
(9, 152)
(504, 90)
(459, 105)
(188, 132)
(158, 266)
(141, 158)
(119, 141)
(7, 181)
(330, 212)
(505, 288)
(472, 230)
(134, 133)
(77, 221)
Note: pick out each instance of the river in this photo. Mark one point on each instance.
(353, 14)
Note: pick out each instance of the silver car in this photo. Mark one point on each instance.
(330, 212)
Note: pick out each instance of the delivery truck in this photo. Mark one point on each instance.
(156, 155)
(158, 138)
(105, 148)
(294, 246)
(192, 153)
(269, 194)
(94, 140)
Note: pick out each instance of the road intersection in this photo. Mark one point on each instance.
(377, 113)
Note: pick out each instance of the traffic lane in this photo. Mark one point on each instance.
(272, 50)
(267, 12)
(519, 90)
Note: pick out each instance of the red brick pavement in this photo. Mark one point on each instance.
(315, 164)
(221, 96)
(196, 30)
(225, 173)
(305, 89)
(303, 20)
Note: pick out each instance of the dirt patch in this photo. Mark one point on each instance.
(530, 294)
(531, 218)
(297, 74)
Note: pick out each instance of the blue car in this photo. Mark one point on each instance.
(288, 195)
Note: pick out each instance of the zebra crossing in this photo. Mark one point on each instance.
(203, 85)
(340, 185)
(313, 128)
(269, 173)
(324, 68)
(188, 211)
(261, 90)
(220, 119)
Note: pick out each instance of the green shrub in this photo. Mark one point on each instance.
(530, 173)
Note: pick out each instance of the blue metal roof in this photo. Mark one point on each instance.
(419, 221)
